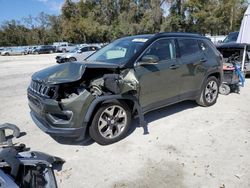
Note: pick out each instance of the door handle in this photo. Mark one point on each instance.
(203, 60)
(174, 66)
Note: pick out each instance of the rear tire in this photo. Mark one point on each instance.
(209, 93)
(110, 123)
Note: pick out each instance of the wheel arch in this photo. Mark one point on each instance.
(216, 75)
(95, 105)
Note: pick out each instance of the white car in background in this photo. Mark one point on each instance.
(78, 54)
(14, 51)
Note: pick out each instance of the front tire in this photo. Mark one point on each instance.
(71, 59)
(209, 93)
(110, 123)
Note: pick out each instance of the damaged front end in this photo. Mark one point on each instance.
(63, 98)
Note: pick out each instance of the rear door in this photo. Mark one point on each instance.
(193, 62)
(159, 83)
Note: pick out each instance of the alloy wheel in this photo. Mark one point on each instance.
(112, 121)
(211, 91)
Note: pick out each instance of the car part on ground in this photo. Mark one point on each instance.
(140, 73)
(20, 167)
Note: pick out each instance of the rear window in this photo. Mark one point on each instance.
(188, 46)
(210, 48)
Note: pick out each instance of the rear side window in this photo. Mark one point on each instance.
(188, 47)
(85, 49)
(208, 47)
(205, 47)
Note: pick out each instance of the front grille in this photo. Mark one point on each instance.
(39, 88)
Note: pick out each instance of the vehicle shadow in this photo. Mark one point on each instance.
(71, 141)
(149, 117)
(159, 114)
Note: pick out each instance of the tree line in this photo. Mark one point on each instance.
(104, 20)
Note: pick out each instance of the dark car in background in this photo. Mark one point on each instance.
(231, 37)
(45, 49)
(127, 78)
(30, 49)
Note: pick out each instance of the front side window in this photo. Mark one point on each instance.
(188, 47)
(232, 37)
(163, 49)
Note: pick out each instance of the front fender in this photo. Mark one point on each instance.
(109, 98)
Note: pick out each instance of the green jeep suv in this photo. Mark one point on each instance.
(129, 77)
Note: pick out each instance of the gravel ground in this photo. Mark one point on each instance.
(187, 145)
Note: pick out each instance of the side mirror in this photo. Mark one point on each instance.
(79, 51)
(148, 59)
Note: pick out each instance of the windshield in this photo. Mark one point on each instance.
(119, 51)
(232, 37)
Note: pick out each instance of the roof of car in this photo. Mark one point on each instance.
(235, 32)
(179, 34)
(167, 34)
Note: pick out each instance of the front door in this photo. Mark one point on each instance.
(159, 82)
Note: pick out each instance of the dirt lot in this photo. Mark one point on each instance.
(187, 145)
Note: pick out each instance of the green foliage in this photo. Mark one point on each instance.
(104, 20)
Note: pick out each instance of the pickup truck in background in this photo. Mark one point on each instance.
(65, 47)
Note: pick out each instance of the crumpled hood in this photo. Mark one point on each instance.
(67, 72)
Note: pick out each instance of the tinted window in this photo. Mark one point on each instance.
(188, 46)
(205, 47)
(85, 49)
(164, 49)
(232, 37)
(211, 48)
(92, 48)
